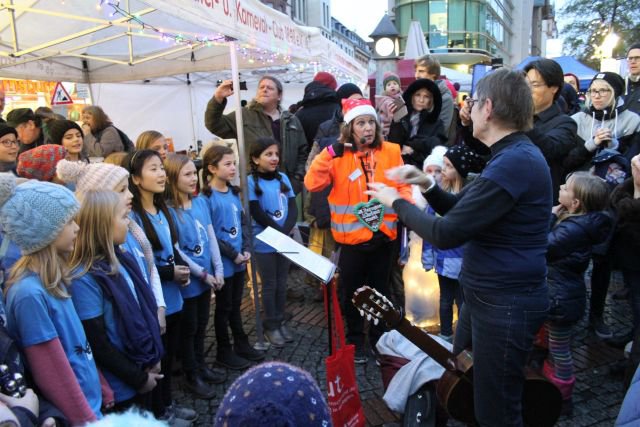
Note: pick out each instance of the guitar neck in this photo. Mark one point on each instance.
(424, 342)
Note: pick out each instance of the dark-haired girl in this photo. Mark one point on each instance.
(271, 204)
(229, 224)
(147, 183)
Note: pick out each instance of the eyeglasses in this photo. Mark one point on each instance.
(471, 102)
(633, 59)
(598, 92)
(8, 143)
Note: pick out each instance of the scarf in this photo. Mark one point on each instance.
(136, 321)
(600, 114)
(414, 120)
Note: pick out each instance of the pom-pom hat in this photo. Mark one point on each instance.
(33, 214)
(93, 176)
(352, 108)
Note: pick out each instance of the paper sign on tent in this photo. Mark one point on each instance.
(61, 96)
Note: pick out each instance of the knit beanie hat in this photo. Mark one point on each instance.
(348, 89)
(91, 176)
(40, 162)
(57, 129)
(4, 130)
(326, 79)
(390, 77)
(436, 158)
(33, 214)
(273, 394)
(465, 160)
(352, 108)
(614, 80)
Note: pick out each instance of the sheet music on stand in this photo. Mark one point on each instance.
(304, 257)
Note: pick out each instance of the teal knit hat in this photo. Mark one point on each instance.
(33, 214)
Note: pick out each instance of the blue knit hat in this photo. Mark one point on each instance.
(274, 394)
(34, 213)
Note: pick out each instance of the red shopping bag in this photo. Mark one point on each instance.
(342, 388)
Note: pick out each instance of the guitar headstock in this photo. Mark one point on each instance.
(375, 306)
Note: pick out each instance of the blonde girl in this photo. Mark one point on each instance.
(38, 217)
(153, 140)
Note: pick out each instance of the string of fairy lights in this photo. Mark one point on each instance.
(248, 53)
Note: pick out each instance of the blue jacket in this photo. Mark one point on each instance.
(447, 262)
(570, 248)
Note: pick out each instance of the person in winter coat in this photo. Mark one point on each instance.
(632, 93)
(428, 67)
(420, 130)
(101, 138)
(577, 224)
(320, 103)
(389, 101)
(263, 117)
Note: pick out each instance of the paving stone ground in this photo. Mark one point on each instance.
(598, 391)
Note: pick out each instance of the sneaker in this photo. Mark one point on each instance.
(213, 375)
(295, 295)
(229, 359)
(242, 348)
(447, 338)
(599, 326)
(286, 333)
(360, 357)
(196, 386)
(182, 412)
(274, 337)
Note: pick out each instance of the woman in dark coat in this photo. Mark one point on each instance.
(420, 130)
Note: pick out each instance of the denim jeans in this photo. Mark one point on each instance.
(500, 325)
(450, 291)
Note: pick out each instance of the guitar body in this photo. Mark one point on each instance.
(455, 389)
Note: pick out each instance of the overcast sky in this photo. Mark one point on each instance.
(359, 15)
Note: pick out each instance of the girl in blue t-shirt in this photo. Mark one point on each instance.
(230, 226)
(271, 204)
(114, 301)
(41, 318)
(147, 181)
(199, 248)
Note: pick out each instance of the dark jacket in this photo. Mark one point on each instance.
(632, 97)
(568, 255)
(319, 104)
(293, 147)
(625, 246)
(430, 131)
(554, 133)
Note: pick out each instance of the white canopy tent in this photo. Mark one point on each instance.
(182, 45)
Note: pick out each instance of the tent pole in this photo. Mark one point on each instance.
(260, 344)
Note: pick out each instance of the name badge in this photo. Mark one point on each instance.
(355, 175)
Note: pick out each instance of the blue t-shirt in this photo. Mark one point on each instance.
(194, 242)
(164, 257)
(132, 246)
(273, 202)
(226, 217)
(34, 316)
(90, 303)
(511, 252)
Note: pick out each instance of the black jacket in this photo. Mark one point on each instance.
(430, 131)
(319, 104)
(632, 98)
(625, 247)
(568, 255)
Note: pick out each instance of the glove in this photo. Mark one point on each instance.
(409, 174)
(336, 149)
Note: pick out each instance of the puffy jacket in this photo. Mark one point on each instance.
(293, 143)
(348, 191)
(319, 104)
(446, 262)
(430, 132)
(568, 255)
(625, 246)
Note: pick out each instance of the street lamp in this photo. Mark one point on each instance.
(385, 49)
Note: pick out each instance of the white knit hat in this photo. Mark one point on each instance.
(436, 158)
(91, 176)
(352, 108)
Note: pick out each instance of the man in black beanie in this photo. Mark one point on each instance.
(632, 92)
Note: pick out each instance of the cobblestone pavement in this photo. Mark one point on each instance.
(598, 391)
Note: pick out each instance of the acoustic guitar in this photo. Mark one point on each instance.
(541, 400)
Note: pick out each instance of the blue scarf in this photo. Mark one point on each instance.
(136, 322)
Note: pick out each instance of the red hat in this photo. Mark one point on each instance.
(326, 79)
(352, 108)
(40, 162)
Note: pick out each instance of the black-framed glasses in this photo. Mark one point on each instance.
(471, 102)
(598, 92)
(633, 58)
(9, 142)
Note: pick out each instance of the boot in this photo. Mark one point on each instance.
(274, 337)
(242, 348)
(196, 386)
(229, 359)
(565, 387)
(286, 333)
(213, 375)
